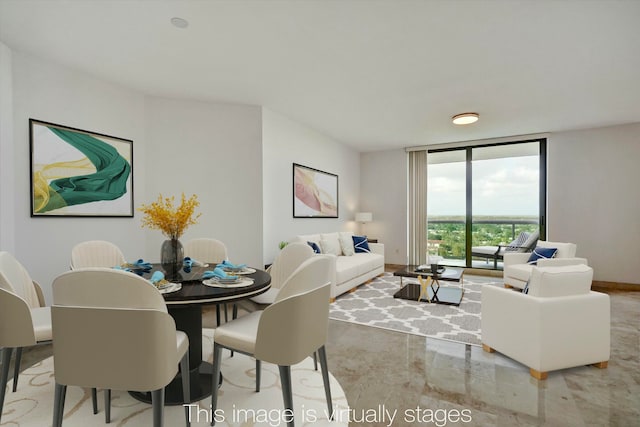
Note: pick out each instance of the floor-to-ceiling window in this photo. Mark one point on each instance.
(484, 196)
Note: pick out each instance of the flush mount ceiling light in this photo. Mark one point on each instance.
(179, 22)
(465, 118)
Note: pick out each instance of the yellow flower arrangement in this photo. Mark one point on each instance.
(172, 221)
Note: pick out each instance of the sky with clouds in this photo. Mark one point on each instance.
(506, 186)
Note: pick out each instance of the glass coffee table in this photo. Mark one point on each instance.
(434, 293)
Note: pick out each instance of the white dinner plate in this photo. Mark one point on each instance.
(171, 287)
(246, 270)
(242, 282)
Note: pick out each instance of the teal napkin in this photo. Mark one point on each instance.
(156, 277)
(229, 266)
(217, 273)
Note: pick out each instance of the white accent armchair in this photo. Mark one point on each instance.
(517, 272)
(560, 323)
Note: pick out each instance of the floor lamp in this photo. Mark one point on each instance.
(363, 218)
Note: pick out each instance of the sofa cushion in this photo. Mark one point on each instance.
(330, 244)
(304, 238)
(347, 267)
(346, 244)
(520, 271)
(560, 281)
(361, 244)
(541, 253)
(368, 262)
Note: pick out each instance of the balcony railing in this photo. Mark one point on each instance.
(446, 237)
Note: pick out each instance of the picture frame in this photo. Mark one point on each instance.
(315, 193)
(79, 173)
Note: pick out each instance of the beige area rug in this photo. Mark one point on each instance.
(373, 305)
(32, 403)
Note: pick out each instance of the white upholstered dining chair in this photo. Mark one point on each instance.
(111, 330)
(285, 332)
(206, 250)
(24, 320)
(96, 253)
(287, 261)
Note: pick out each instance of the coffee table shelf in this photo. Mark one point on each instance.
(449, 295)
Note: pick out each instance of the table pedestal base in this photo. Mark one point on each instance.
(200, 387)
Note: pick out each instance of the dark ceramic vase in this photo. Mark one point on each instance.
(171, 258)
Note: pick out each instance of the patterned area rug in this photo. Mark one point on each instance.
(32, 404)
(373, 305)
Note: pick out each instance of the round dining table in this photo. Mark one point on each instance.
(185, 306)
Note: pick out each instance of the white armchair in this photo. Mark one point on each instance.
(517, 272)
(561, 323)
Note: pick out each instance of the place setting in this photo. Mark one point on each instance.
(228, 275)
(163, 285)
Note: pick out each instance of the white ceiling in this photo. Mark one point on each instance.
(372, 74)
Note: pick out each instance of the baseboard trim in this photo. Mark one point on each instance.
(393, 267)
(600, 285)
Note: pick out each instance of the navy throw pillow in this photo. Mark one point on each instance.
(361, 244)
(541, 253)
(315, 247)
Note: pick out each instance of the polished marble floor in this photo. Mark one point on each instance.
(403, 372)
(424, 381)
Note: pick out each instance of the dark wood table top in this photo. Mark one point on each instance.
(194, 292)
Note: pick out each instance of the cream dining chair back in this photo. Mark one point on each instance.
(287, 261)
(24, 321)
(96, 253)
(206, 250)
(111, 330)
(287, 331)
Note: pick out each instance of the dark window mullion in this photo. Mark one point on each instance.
(543, 189)
(469, 208)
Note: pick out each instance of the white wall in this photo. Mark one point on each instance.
(593, 198)
(286, 142)
(7, 189)
(45, 91)
(214, 151)
(383, 192)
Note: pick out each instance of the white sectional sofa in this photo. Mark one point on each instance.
(349, 271)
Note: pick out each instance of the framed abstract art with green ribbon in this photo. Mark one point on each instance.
(75, 172)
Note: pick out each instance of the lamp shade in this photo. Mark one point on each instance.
(364, 217)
